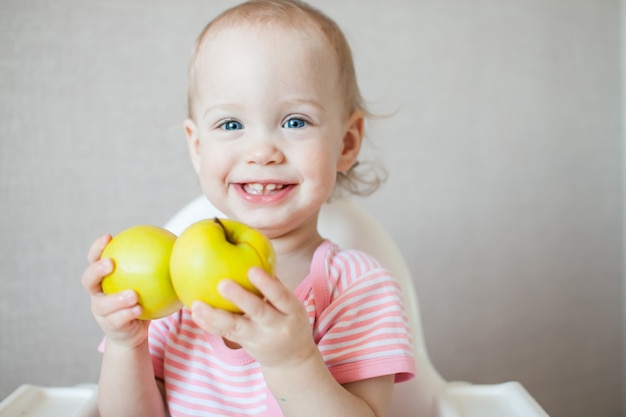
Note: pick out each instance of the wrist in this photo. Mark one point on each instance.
(300, 368)
(303, 357)
(134, 335)
(126, 346)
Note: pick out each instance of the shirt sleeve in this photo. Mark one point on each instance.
(364, 331)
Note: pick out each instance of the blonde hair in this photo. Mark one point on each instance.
(297, 15)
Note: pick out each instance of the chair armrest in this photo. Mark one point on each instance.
(31, 400)
(509, 399)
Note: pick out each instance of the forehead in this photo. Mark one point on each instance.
(235, 49)
(265, 37)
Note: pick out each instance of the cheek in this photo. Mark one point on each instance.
(211, 167)
(320, 167)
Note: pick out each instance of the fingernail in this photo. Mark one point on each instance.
(255, 274)
(222, 286)
(129, 295)
(106, 265)
(136, 311)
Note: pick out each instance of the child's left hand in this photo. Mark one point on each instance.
(275, 331)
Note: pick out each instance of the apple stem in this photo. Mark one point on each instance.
(228, 238)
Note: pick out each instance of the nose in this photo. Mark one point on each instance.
(264, 151)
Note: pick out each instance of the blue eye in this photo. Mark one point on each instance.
(231, 125)
(294, 123)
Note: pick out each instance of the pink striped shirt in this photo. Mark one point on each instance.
(358, 322)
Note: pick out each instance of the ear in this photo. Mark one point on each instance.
(352, 140)
(193, 143)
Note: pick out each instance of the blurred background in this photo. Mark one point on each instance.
(505, 150)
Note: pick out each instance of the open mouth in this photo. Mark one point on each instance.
(262, 189)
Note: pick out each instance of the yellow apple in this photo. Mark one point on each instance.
(213, 249)
(141, 255)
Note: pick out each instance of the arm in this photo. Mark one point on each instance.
(276, 332)
(311, 387)
(127, 386)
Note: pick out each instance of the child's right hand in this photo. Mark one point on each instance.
(115, 313)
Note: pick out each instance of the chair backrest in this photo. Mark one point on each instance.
(345, 223)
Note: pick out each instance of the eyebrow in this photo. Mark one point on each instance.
(229, 106)
(221, 106)
(308, 102)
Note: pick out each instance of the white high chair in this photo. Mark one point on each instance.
(428, 394)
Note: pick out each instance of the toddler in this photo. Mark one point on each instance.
(275, 126)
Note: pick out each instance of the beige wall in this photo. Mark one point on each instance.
(623, 110)
(505, 186)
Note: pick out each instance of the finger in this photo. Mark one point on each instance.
(105, 305)
(94, 273)
(279, 296)
(251, 304)
(97, 247)
(216, 321)
(201, 314)
(120, 319)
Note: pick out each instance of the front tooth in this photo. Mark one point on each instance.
(258, 188)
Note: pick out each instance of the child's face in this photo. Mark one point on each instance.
(271, 130)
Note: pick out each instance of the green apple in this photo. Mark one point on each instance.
(213, 249)
(141, 255)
